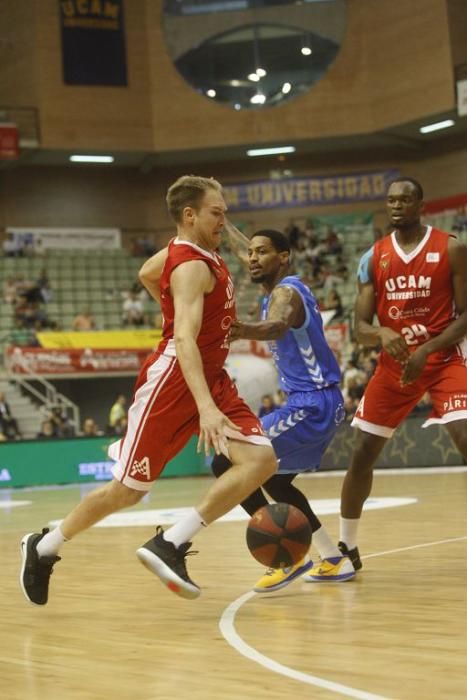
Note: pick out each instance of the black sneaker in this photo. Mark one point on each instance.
(353, 554)
(35, 571)
(168, 562)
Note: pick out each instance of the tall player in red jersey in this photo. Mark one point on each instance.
(415, 281)
(182, 389)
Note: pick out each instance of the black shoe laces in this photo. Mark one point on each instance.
(177, 554)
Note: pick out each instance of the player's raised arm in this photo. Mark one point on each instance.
(365, 308)
(189, 283)
(285, 311)
(238, 241)
(151, 271)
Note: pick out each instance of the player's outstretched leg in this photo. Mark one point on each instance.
(35, 571)
(167, 561)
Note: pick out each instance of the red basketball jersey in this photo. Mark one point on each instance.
(219, 305)
(414, 292)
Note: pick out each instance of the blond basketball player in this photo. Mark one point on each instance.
(182, 389)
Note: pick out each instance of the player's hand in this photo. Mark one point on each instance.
(395, 345)
(414, 366)
(236, 331)
(212, 431)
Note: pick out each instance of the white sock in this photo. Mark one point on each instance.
(186, 529)
(348, 531)
(50, 544)
(324, 544)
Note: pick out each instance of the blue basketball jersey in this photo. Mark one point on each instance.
(303, 357)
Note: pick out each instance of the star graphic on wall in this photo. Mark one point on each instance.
(338, 454)
(400, 445)
(445, 446)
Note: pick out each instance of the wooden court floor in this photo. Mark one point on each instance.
(111, 631)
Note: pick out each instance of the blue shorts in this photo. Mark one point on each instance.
(301, 430)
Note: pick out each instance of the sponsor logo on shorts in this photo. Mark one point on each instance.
(141, 467)
(458, 402)
(339, 414)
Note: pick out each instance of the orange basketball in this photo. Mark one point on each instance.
(278, 535)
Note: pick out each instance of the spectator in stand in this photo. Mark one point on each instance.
(280, 398)
(140, 292)
(121, 426)
(333, 302)
(117, 412)
(23, 336)
(133, 311)
(353, 396)
(293, 233)
(12, 248)
(84, 321)
(311, 236)
(8, 423)
(332, 242)
(9, 290)
(63, 426)
(47, 431)
(90, 428)
(142, 247)
(267, 405)
(45, 292)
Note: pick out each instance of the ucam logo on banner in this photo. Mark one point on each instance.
(67, 238)
(309, 191)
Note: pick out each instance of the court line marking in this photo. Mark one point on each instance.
(230, 634)
(390, 471)
(416, 546)
(227, 628)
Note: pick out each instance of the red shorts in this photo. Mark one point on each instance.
(386, 403)
(163, 417)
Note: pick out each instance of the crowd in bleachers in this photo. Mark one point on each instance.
(68, 290)
(94, 290)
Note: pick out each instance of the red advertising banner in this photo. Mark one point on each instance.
(9, 142)
(21, 360)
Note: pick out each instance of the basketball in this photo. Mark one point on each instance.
(278, 535)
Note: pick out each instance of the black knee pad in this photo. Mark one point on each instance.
(220, 464)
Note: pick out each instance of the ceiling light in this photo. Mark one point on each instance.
(211, 93)
(435, 127)
(275, 150)
(92, 159)
(235, 83)
(237, 106)
(286, 88)
(258, 99)
(261, 72)
(306, 51)
(254, 77)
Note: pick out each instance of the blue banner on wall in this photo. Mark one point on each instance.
(93, 42)
(309, 191)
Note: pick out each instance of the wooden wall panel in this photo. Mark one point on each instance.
(457, 12)
(116, 118)
(47, 196)
(18, 77)
(394, 66)
(400, 52)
